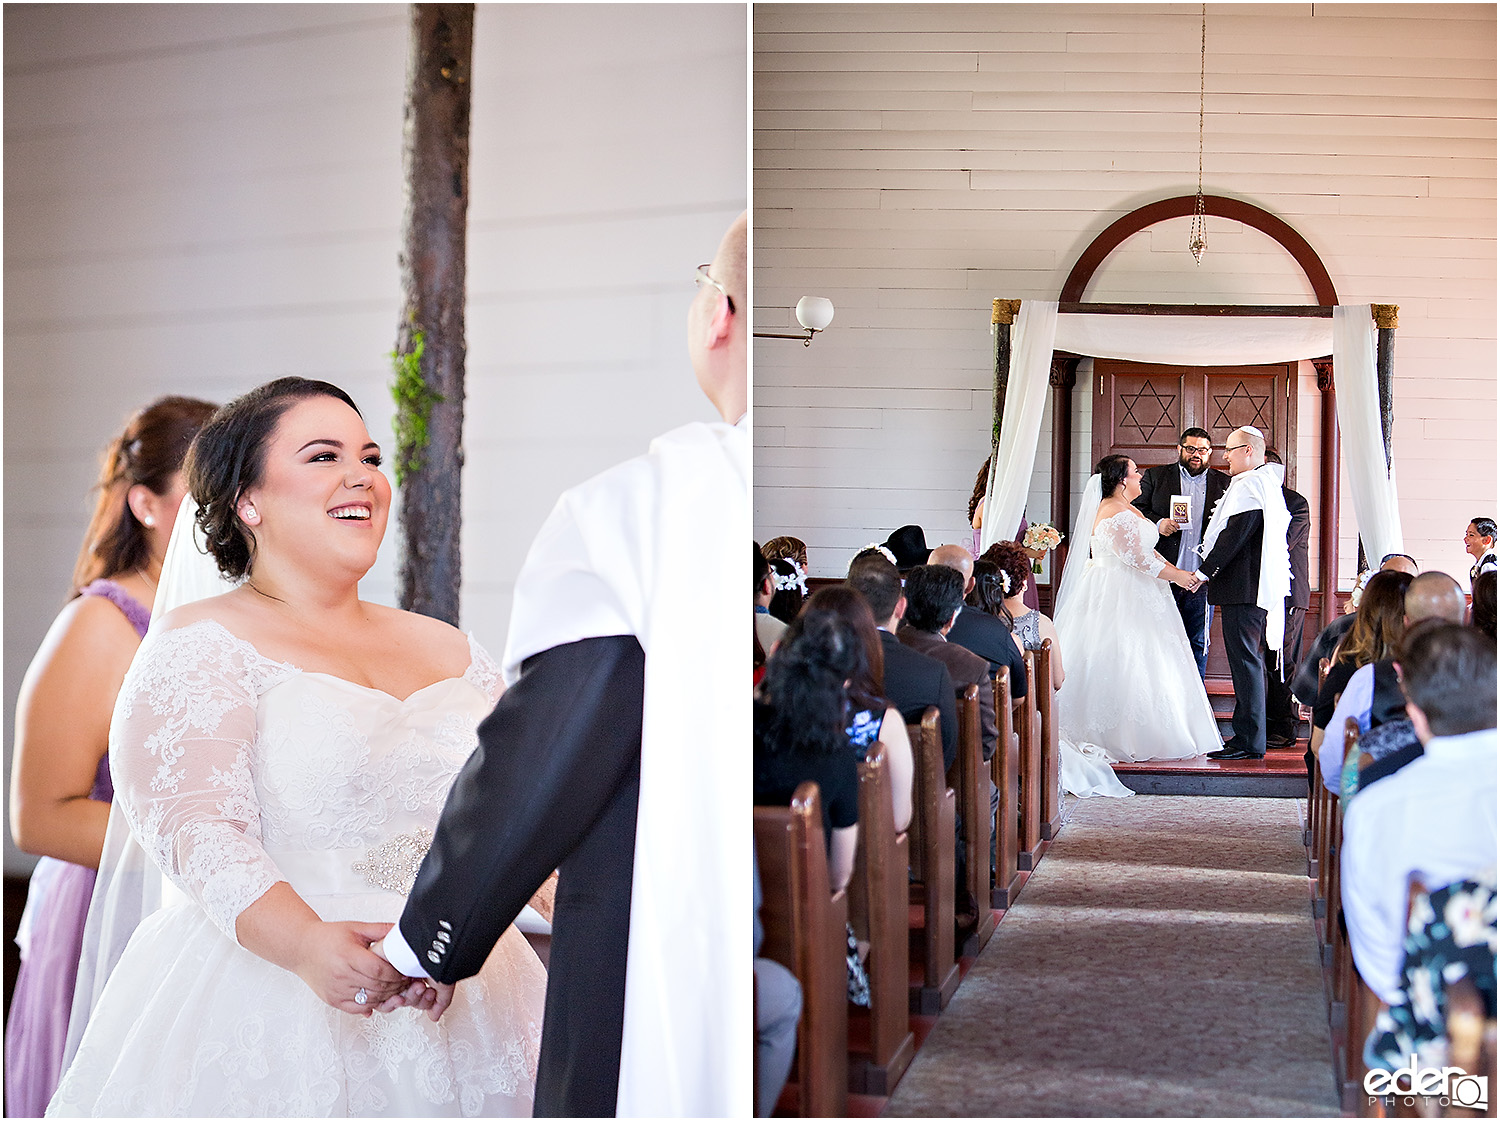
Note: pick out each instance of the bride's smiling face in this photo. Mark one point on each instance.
(321, 490)
(1132, 483)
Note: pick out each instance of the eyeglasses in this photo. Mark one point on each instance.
(702, 277)
(1234, 448)
(1192, 450)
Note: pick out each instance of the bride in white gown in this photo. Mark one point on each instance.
(1132, 690)
(281, 753)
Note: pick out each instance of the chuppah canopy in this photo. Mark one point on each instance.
(1177, 336)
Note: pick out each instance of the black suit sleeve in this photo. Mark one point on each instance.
(551, 756)
(947, 705)
(1237, 533)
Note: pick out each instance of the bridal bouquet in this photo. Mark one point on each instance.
(1041, 536)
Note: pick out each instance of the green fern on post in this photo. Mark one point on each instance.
(414, 400)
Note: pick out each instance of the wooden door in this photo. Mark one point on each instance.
(1140, 410)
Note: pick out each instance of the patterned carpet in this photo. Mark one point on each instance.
(1159, 963)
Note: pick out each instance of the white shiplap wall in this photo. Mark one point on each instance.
(912, 162)
(199, 198)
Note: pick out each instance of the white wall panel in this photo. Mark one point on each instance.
(913, 162)
(199, 198)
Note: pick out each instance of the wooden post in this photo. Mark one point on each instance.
(1002, 314)
(1385, 369)
(1328, 497)
(1063, 376)
(430, 348)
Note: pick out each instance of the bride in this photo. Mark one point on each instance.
(1132, 691)
(281, 752)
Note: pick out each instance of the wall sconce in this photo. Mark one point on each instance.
(813, 312)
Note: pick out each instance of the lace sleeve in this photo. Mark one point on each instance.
(180, 747)
(483, 672)
(1125, 536)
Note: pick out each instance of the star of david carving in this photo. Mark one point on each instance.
(1155, 408)
(1242, 397)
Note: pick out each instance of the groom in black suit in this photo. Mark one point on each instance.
(1190, 475)
(1232, 573)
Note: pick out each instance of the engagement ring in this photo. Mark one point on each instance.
(361, 997)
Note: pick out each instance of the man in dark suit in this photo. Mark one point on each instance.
(912, 681)
(1281, 720)
(978, 631)
(934, 594)
(1234, 569)
(1204, 485)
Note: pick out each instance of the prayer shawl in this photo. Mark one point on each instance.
(1260, 489)
(652, 548)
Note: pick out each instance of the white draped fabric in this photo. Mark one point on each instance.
(1195, 340)
(1191, 340)
(1371, 487)
(1031, 346)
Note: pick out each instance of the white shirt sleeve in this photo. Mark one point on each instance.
(1355, 701)
(399, 954)
(1368, 891)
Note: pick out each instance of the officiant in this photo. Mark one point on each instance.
(1190, 478)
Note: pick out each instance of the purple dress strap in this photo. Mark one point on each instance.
(38, 1026)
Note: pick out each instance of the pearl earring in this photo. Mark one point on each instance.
(249, 513)
(150, 522)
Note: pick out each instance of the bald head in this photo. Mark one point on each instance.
(717, 326)
(1399, 562)
(957, 558)
(1435, 595)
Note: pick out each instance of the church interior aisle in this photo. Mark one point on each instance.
(1161, 962)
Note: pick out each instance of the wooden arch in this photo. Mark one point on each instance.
(1064, 366)
(1182, 207)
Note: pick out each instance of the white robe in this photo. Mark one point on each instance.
(654, 548)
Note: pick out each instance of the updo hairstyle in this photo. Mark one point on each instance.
(229, 457)
(803, 705)
(987, 594)
(790, 589)
(1111, 470)
(1012, 560)
(147, 453)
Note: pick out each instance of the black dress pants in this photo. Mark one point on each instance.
(1244, 627)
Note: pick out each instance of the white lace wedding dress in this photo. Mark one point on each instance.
(1132, 690)
(236, 771)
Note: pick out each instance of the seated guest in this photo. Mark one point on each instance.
(1373, 695)
(1450, 936)
(768, 628)
(792, 548)
(871, 717)
(1435, 818)
(986, 590)
(978, 630)
(909, 546)
(1479, 543)
(912, 681)
(1028, 624)
(1304, 683)
(1377, 628)
(789, 589)
(1483, 614)
(934, 594)
(800, 717)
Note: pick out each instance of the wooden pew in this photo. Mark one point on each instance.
(1051, 757)
(1005, 773)
(1031, 773)
(966, 778)
(880, 871)
(804, 925)
(932, 857)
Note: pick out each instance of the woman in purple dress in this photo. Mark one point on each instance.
(60, 784)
